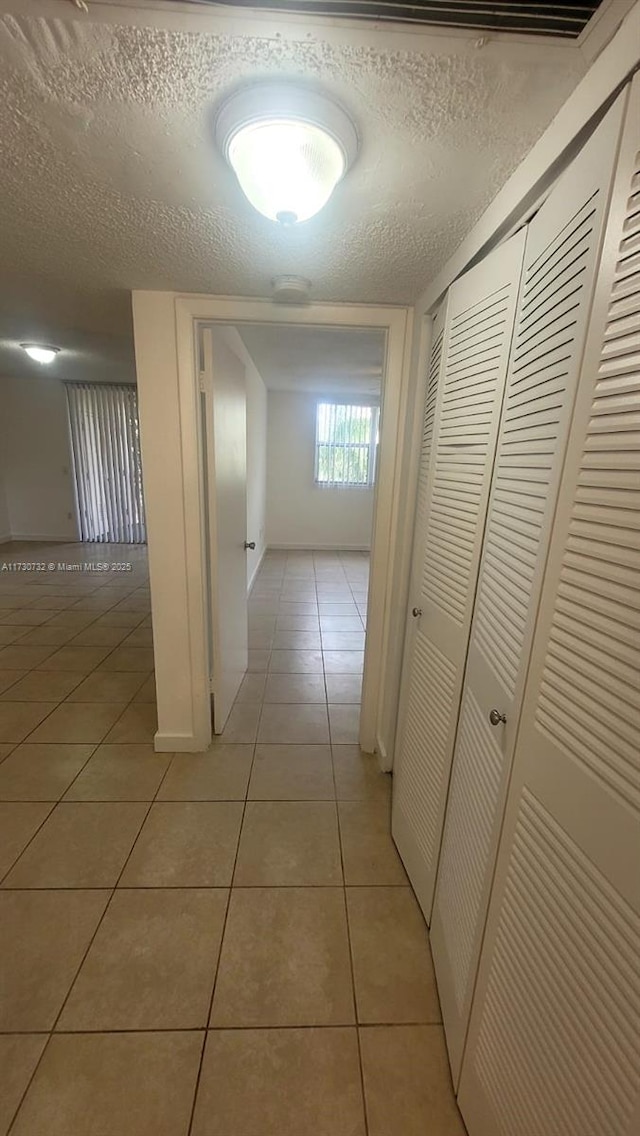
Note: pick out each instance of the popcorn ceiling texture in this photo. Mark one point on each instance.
(111, 181)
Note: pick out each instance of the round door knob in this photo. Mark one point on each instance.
(495, 717)
(250, 544)
(416, 612)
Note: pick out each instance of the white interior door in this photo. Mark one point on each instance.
(561, 257)
(223, 386)
(554, 1039)
(412, 775)
(465, 388)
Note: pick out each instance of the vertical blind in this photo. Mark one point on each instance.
(346, 444)
(105, 441)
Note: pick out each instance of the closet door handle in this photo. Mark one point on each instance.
(249, 544)
(416, 612)
(495, 717)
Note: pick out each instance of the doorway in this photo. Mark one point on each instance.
(313, 417)
(166, 334)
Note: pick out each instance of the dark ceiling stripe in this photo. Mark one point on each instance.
(567, 19)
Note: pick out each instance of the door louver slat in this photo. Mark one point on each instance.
(429, 418)
(581, 945)
(428, 711)
(528, 449)
(464, 440)
(603, 525)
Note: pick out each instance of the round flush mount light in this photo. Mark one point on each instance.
(41, 352)
(288, 147)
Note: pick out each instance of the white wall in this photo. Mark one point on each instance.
(299, 513)
(5, 527)
(36, 460)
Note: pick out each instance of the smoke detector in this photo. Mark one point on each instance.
(291, 289)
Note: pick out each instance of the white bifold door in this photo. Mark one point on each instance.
(465, 385)
(562, 254)
(554, 1039)
(224, 439)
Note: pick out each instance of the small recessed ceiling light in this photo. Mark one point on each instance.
(42, 353)
(288, 147)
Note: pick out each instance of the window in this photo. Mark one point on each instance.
(105, 441)
(346, 444)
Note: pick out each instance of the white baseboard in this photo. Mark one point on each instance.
(178, 743)
(256, 570)
(318, 547)
(44, 538)
(384, 761)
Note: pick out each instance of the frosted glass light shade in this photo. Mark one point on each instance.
(287, 170)
(39, 352)
(288, 148)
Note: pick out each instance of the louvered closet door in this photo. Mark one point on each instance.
(465, 389)
(554, 1040)
(561, 257)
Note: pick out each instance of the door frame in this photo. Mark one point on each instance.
(166, 341)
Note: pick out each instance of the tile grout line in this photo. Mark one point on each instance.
(207, 1025)
(95, 744)
(112, 889)
(31, 839)
(348, 928)
(222, 937)
(350, 947)
(51, 1032)
(215, 887)
(229, 1029)
(39, 667)
(69, 609)
(343, 887)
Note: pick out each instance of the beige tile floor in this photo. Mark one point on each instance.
(219, 944)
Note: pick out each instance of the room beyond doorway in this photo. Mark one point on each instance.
(314, 398)
(307, 620)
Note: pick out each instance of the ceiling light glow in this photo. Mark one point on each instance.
(40, 352)
(288, 148)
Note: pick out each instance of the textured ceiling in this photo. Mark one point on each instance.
(110, 180)
(323, 360)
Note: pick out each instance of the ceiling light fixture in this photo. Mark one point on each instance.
(288, 147)
(42, 353)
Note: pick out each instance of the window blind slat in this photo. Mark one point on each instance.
(89, 433)
(346, 444)
(118, 459)
(105, 442)
(109, 520)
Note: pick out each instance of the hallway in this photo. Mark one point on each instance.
(253, 890)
